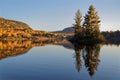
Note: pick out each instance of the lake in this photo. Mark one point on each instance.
(58, 61)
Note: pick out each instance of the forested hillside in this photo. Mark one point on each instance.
(11, 24)
(16, 30)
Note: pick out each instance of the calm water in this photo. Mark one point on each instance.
(59, 62)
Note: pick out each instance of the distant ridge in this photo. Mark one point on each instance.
(66, 30)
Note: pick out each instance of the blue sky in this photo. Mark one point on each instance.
(53, 15)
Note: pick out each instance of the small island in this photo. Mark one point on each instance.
(89, 32)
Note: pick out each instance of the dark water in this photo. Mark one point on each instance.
(21, 61)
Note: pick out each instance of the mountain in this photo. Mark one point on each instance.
(11, 24)
(66, 30)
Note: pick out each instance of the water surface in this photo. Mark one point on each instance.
(23, 61)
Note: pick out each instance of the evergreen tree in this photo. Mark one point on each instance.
(91, 23)
(77, 25)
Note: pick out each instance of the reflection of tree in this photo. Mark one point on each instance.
(77, 56)
(78, 60)
(90, 57)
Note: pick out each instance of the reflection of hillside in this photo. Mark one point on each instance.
(13, 48)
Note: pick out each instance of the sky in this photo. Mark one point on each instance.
(52, 15)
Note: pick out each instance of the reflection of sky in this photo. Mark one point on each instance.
(58, 63)
(58, 14)
(110, 61)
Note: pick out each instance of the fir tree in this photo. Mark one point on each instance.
(77, 25)
(91, 23)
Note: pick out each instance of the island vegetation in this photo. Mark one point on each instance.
(88, 32)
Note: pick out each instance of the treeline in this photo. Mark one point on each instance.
(112, 37)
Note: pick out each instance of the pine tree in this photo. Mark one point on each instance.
(77, 25)
(91, 23)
